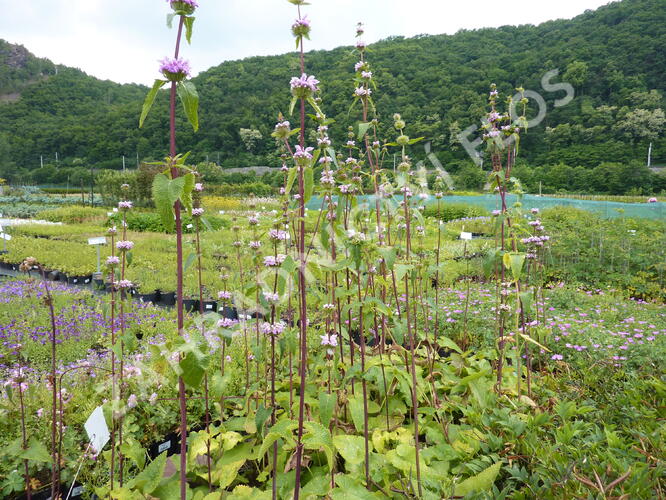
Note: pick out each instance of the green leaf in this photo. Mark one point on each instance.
(292, 105)
(188, 187)
(150, 99)
(262, 415)
(483, 481)
(188, 95)
(326, 407)
(169, 21)
(363, 129)
(150, 477)
(189, 21)
(356, 410)
(318, 437)
(350, 487)
(291, 177)
(166, 192)
(189, 261)
(193, 366)
(308, 184)
(282, 429)
(36, 452)
(447, 342)
(352, 448)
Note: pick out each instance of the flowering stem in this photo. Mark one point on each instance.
(303, 301)
(179, 275)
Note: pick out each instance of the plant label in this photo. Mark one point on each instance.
(97, 430)
(97, 241)
(5, 236)
(164, 446)
(189, 226)
(465, 236)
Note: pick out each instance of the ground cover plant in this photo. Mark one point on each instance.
(371, 348)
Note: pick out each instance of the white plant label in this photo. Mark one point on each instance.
(97, 241)
(465, 236)
(97, 430)
(6, 237)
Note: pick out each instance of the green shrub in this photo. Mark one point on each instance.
(145, 222)
(74, 215)
(453, 211)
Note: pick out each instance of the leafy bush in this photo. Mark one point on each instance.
(23, 210)
(74, 215)
(452, 211)
(145, 222)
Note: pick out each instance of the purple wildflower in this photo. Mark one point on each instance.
(124, 246)
(175, 70)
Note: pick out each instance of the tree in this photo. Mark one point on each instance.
(250, 138)
(642, 124)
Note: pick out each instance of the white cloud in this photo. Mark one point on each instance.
(123, 40)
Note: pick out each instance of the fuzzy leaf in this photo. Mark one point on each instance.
(483, 481)
(150, 99)
(166, 192)
(189, 21)
(188, 95)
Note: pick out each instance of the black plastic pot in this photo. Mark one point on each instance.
(63, 277)
(168, 299)
(79, 280)
(148, 297)
(170, 443)
(53, 275)
(229, 312)
(191, 305)
(45, 494)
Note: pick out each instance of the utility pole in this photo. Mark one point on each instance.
(123, 163)
(92, 186)
(41, 161)
(56, 159)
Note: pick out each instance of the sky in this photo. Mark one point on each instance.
(123, 40)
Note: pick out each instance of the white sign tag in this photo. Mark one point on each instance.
(5, 236)
(190, 226)
(97, 241)
(97, 430)
(465, 236)
(164, 446)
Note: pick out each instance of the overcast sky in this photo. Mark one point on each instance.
(122, 40)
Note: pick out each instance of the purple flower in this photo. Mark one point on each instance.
(362, 92)
(652, 200)
(112, 260)
(331, 340)
(277, 235)
(224, 295)
(301, 27)
(124, 284)
(272, 298)
(198, 187)
(197, 212)
(132, 401)
(124, 246)
(273, 329)
(255, 245)
(187, 6)
(302, 156)
(175, 70)
(366, 74)
(557, 357)
(124, 205)
(226, 323)
(304, 86)
(361, 45)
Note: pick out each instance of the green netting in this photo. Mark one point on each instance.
(607, 209)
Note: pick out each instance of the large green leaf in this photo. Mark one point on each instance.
(326, 406)
(166, 192)
(356, 410)
(352, 448)
(319, 437)
(483, 481)
(308, 184)
(151, 476)
(188, 95)
(150, 99)
(36, 452)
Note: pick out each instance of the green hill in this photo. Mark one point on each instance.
(613, 56)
